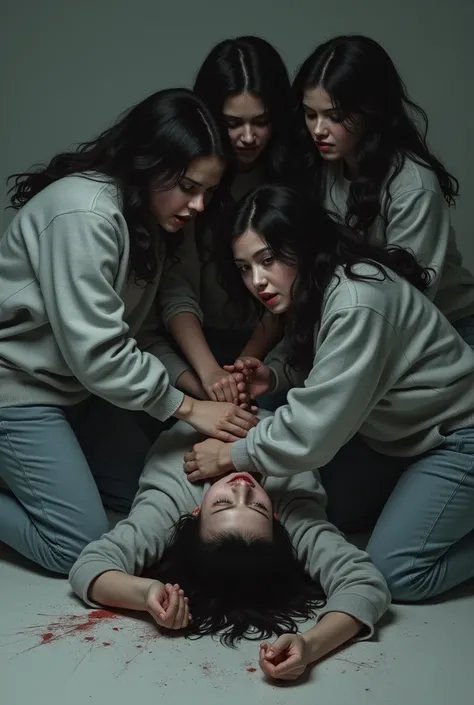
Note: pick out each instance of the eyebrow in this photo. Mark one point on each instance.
(239, 117)
(188, 178)
(255, 254)
(264, 513)
(328, 110)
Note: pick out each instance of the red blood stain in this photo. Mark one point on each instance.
(115, 629)
(250, 669)
(106, 643)
(69, 625)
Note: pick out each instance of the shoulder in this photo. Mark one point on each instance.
(88, 194)
(377, 291)
(413, 177)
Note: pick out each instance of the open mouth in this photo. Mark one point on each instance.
(268, 299)
(242, 477)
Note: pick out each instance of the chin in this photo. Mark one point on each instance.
(171, 227)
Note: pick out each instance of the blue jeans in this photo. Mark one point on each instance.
(423, 540)
(57, 464)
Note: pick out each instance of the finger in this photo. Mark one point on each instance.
(178, 620)
(172, 609)
(227, 389)
(190, 466)
(280, 645)
(191, 455)
(288, 664)
(229, 368)
(246, 416)
(232, 383)
(213, 396)
(195, 476)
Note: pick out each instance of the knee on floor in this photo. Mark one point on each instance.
(61, 556)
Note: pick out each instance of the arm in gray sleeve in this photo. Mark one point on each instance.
(78, 258)
(349, 579)
(347, 380)
(419, 221)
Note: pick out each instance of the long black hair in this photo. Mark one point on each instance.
(250, 65)
(363, 83)
(151, 145)
(238, 585)
(300, 233)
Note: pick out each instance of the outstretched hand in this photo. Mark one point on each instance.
(168, 605)
(286, 659)
(257, 375)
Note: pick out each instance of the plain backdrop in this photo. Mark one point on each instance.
(68, 68)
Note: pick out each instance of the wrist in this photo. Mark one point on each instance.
(224, 458)
(209, 371)
(187, 408)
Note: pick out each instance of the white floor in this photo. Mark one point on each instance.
(54, 651)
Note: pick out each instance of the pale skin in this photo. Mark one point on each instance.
(230, 504)
(249, 130)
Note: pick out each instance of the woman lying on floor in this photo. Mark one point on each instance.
(235, 558)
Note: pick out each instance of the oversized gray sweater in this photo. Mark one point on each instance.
(348, 577)
(72, 320)
(387, 364)
(416, 217)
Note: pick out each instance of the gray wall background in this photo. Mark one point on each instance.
(69, 67)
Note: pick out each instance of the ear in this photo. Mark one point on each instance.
(197, 511)
(276, 516)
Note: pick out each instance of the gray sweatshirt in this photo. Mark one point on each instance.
(351, 582)
(387, 364)
(72, 320)
(417, 218)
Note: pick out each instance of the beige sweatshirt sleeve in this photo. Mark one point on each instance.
(418, 220)
(345, 383)
(78, 255)
(180, 284)
(350, 580)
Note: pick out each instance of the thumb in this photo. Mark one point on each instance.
(282, 643)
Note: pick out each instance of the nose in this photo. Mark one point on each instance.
(320, 128)
(248, 135)
(241, 492)
(259, 278)
(197, 203)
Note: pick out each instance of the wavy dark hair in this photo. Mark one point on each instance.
(150, 146)
(238, 586)
(250, 65)
(302, 234)
(363, 84)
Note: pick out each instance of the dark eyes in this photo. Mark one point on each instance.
(187, 188)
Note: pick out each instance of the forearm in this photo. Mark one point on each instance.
(332, 631)
(189, 383)
(266, 335)
(117, 589)
(188, 333)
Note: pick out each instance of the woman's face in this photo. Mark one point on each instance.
(333, 140)
(267, 278)
(237, 503)
(174, 207)
(249, 127)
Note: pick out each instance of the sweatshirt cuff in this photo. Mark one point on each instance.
(82, 575)
(167, 404)
(279, 379)
(355, 606)
(241, 459)
(175, 366)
